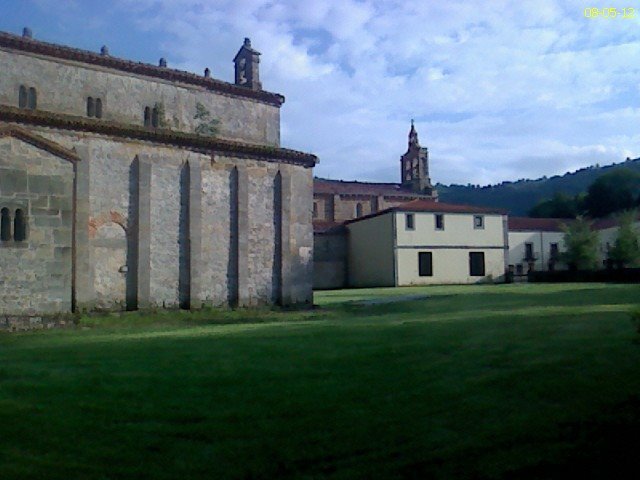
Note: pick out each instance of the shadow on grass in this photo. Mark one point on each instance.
(602, 446)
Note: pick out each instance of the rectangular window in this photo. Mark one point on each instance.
(409, 221)
(439, 221)
(478, 221)
(425, 265)
(528, 251)
(554, 250)
(476, 264)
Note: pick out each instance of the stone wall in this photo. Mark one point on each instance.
(166, 227)
(36, 274)
(63, 86)
(330, 260)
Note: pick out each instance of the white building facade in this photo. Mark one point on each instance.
(425, 242)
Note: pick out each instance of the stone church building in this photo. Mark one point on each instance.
(126, 185)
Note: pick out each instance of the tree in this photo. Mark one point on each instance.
(581, 245)
(626, 249)
(560, 206)
(612, 192)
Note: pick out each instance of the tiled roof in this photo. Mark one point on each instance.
(30, 45)
(439, 207)
(25, 135)
(525, 224)
(609, 222)
(431, 206)
(341, 187)
(188, 141)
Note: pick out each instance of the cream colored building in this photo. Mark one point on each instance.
(427, 242)
(535, 244)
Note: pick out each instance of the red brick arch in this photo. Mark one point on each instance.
(107, 217)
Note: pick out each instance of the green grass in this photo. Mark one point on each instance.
(510, 381)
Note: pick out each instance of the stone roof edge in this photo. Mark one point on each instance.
(30, 45)
(25, 135)
(162, 136)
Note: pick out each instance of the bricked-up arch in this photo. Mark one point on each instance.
(20, 226)
(5, 225)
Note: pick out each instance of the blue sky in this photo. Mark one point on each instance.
(499, 90)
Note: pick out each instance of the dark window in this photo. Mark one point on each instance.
(22, 97)
(91, 108)
(98, 108)
(425, 265)
(528, 251)
(147, 117)
(478, 221)
(315, 210)
(154, 117)
(476, 264)
(519, 269)
(554, 251)
(439, 221)
(19, 226)
(358, 210)
(32, 99)
(5, 225)
(409, 221)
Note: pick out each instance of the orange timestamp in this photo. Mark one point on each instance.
(593, 12)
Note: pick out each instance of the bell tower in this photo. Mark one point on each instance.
(247, 62)
(414, 166)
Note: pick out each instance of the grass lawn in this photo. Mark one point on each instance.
(509, 381)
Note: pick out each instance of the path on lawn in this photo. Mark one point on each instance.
(398, 298)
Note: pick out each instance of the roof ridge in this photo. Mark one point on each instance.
(26, 44)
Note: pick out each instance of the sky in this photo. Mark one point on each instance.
(499, 90)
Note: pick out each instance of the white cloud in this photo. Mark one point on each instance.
(500, 90)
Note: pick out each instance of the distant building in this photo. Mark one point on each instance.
(336, 201)
(535, 244)
(426, 242)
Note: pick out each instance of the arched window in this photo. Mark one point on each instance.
(22, 97)
(91, 108)
(154, 117)
(98, 108)
(5, 225)
(358, 210)
(19, 226)
(147, 117)
(32, 98)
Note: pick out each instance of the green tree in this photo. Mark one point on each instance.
(612, 192)
(560, 206)
(626, 249)
(581, 245)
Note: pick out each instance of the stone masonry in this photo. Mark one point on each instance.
(123, 214)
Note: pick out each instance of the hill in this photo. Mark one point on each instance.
(520, 196)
